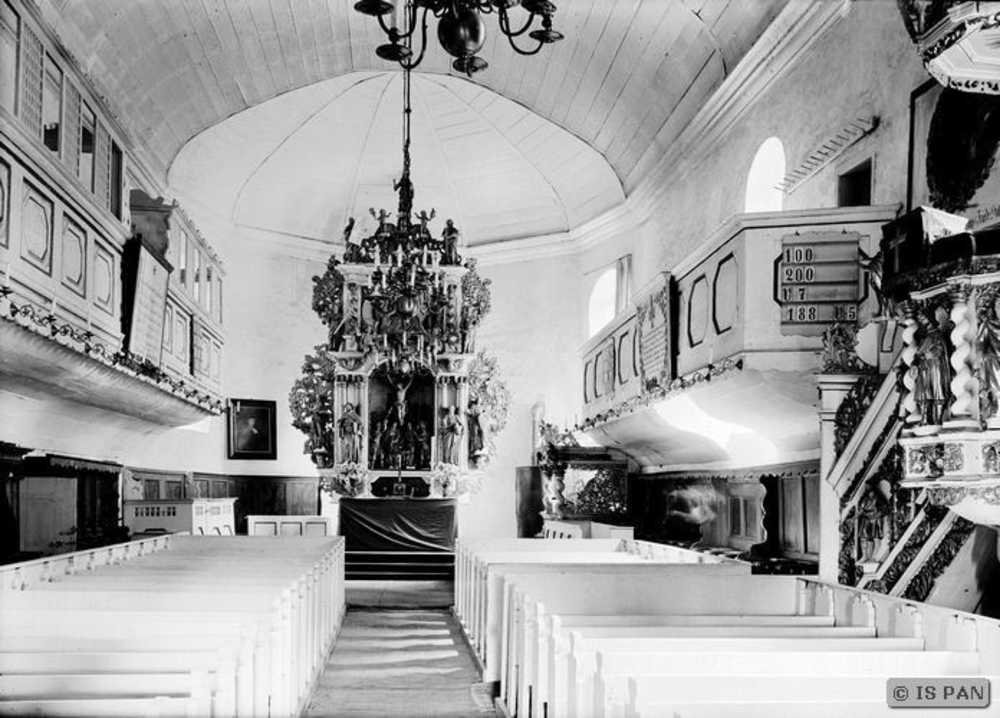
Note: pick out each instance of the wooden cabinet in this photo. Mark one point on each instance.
(200, 517)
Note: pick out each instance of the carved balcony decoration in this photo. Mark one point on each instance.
(957, 41)
(948, 292)
(715, 362)
(82, 295)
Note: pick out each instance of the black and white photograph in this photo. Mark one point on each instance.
(511, 358)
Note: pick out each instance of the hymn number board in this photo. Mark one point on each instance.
(817, 281)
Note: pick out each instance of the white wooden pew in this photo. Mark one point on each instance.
(681, 589)
(258, 616)
(466, 552)
(637, 695)
(574, 678)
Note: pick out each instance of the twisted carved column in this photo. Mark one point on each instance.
(908, 408)
(962, 338)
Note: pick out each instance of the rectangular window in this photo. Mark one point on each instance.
(88, 132)
(218, 298)
(209, 285)
(52, 105)
(182, 258)
(10, 28)
(854, 187)
(115, 180)
(198, 279)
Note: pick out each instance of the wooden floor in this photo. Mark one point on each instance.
(409, 661)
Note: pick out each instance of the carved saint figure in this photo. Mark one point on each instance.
(349, 427)
(376, 450)
(421, 445)
(871, 521)
(476, 433)
(451, 433)
(989, 352)
(424, 219)
(932, 388)
(382, 218)
(450, 236)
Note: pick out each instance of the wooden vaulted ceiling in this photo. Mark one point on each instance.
(626, 80)
(625, 67)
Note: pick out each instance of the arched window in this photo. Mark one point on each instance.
(603, 300)
(766, 173)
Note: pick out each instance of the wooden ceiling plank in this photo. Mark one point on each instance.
(627, 63)
(220, 65)
(288, 39)
(611, 45)
(582, 53)
(194, 79)
(253, 51)
(303, 20)
(643, 89)
(686, 108)
(558, 65)
(639, 87)
(267, 32)
(233, 54)
(340, 31)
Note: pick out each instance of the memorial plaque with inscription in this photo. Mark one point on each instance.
(149, 305)
(654, 345)
(817, 281)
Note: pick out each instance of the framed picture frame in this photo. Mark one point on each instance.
(922, 103)
(251, 429)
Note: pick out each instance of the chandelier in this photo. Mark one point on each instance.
(416, 301)
(461, 30)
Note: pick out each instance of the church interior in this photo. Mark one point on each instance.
(638, 358)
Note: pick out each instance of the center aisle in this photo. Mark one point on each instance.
(404, 663)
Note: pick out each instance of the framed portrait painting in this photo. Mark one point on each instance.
(252, 429)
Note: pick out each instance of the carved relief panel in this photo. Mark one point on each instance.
(105, 276)
(36, 229)
(73, 265)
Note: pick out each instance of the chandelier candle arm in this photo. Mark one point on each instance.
(461, 29)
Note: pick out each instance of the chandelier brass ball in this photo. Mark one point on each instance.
(461, 33)
(406, 305)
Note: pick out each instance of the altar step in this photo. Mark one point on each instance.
(400, 566)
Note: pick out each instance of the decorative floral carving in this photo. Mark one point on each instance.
(603, 495)
(493, 398)
(853, 409)
(476, 296)
(655, 392)
(840, 341)
(923, 583)
(991, 457)
(953, 459)
(348, 480)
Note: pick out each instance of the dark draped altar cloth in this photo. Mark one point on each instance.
(395, 524)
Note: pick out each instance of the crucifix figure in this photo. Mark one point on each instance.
(399, 405)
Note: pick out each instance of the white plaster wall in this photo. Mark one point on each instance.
(534, 329)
